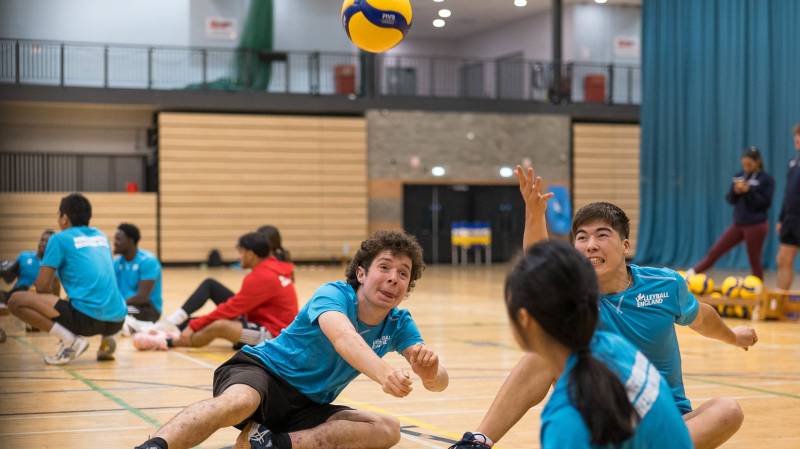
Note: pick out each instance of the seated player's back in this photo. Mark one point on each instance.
(660, 425)
(82, 256)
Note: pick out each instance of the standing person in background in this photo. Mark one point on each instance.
(751, 196)
(788, 226)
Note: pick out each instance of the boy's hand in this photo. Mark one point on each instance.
(397, 383)
(530, 186)
(424, 362)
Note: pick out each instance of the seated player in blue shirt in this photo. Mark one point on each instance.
(82, 257)
(138, 276)
(641, 304)
(280, 391)
(25, 268)
(607, 394)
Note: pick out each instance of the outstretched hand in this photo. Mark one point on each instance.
(530, 186)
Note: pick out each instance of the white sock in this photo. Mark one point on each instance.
(482, 438)
(63, 334)
(178, 317)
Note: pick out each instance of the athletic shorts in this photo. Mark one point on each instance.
(81, 324)
(790, 230)
(283, 408)
(144, 312)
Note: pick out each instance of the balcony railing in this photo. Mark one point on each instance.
(314, 73)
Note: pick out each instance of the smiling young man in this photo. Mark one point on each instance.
(281, 391)
(138, 274)
(642, 304)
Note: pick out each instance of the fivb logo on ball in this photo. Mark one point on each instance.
(388, 18)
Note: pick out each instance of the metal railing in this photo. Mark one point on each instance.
(314, 73)
(72, 172)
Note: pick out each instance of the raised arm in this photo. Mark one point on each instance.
(355, 351)
(530, 186)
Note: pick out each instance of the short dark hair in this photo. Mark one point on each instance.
(796, 128)
(609, 213)
(399, 243)
(77, 208)
(255, 242)
(48, 232)
(131, 231)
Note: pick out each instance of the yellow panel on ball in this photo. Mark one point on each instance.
(371, 38)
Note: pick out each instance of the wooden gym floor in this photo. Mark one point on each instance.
(460, 313)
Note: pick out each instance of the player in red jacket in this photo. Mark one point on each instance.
(265, 304)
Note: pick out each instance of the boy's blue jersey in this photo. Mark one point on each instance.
(144, 267)
(661, 425)
(646, 314)
(28, 265)
(82, 257)
(304, 357)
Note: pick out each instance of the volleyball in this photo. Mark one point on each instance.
(376, 25)
(731, 286)
(700, 284)
(751, 287)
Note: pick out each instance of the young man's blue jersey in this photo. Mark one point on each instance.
(661, 425)
(304, 357)
(144, 267)
(28, 265)
(646, 314)
(82, 257)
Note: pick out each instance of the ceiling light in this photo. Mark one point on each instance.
(506, 172)
(438, 23)
(600, 1)
(444, 13)
(520, 3)
(438, 171)
(438, 1)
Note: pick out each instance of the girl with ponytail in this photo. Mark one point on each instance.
(607, 394)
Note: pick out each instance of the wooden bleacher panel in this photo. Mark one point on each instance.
(222, 175)
(23, 217)
(606, 168)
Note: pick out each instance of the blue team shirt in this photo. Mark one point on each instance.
(304, 357)
(28, 269)
(144, 267)
(661, 425)
(646, 314)
(82, 257)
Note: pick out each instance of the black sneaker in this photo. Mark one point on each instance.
(260, 437)
(468, 441)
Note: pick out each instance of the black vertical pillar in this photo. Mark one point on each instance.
(369, 74)
(557, 53)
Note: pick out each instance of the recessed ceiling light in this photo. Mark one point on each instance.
(506, 172)
(438, 23)
(520, 3)
(438, 171)
(444, 13)
(600, 1)
(438, 1)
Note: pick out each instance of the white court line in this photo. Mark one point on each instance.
(83, 415)
(102, 429)
(193, 360)
(442, 399)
